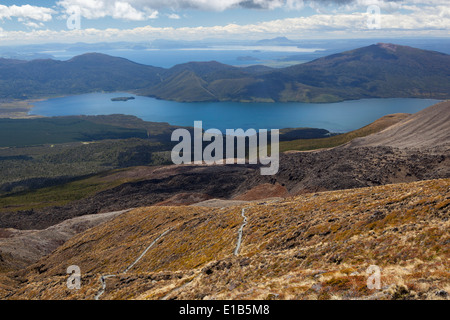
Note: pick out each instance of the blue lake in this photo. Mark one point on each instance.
(335, 117)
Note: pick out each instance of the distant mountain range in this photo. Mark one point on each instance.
(377, 71)
(278, 41)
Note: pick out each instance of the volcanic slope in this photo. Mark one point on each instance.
(20, 248)
(427, 128)
(313, 246)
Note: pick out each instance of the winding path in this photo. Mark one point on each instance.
(103, 283)
(104, 277)
(236, 252)
(241, 229)
(145, 251)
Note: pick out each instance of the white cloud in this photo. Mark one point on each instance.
(153, 15)
(123, 10)
(33, 25)
(26, 12)
(95, 9)
(173, 16)
(92, 9)
(99, 8)
(399, 18)
(140, 10)
(420, 23)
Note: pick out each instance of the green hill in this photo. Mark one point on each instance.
(86, 73)
(376, 71)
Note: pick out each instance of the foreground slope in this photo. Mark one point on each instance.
(317, 245)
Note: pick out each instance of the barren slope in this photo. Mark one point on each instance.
(20, 248)
(425, 129)
(341, 139)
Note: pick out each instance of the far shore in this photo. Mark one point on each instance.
(19, 109)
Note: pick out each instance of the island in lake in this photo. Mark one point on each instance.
(122, 98)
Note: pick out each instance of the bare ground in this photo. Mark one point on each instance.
(424, 129)
(19, 248)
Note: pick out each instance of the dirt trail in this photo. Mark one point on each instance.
(104, 277)
(236, 252)
(241, 229)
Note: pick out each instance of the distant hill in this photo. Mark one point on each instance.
(278, 41)
(377, 71)
(381, 71)
(202, 81)
(86, 73)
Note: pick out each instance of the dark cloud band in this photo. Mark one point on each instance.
(258, 4)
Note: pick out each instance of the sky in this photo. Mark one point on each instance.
(24, 22)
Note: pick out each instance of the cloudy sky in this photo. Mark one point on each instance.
(145, 20)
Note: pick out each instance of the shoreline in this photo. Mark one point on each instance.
(18, 109)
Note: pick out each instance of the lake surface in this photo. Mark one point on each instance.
(335, 117)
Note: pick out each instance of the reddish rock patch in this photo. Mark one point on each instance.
(184, 199)
(263, 191)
